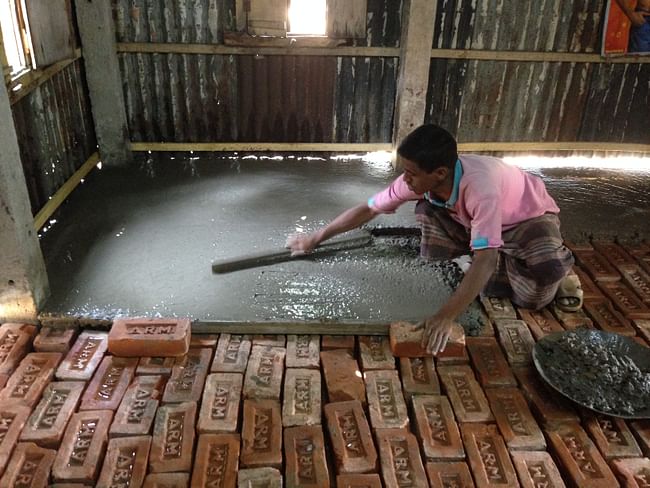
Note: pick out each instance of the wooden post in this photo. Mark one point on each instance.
(415, 58)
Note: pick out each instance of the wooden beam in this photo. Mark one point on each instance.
(535, 56)
(59, 197)
(552, 146)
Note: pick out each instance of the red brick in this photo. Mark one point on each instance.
(306, 464)
(263, 377)
(626, 300)
(157, 366)
(516, 340)
(385, 400)
(635, 473)
(125, 462)
(137, 410)
(607, 318)
(216, 461)
(375, 353)
(612, 437)
(261, 434)
(167, 480)
(107, 387)
(220, 405)
(232, 354)
(188, 376)
(487, 328)
(82, 450)
(406, 340)
(614, 253)
(173, 438)
(329, 342)
(351, 438)
(488, 456)
(270, 340)
(596, 266)
(637, 279)
(465, 394)
(578, 456)
(516, 423)
(84, 357)
(536, 469)
(358, 481)
(447, 475)
(498, 308)
(46, 425)
(15, 342)
(578, 246)
(400, 459)
(419, 377)
(436, 428)
(489, 363)
(540, 322)
(29, 466)
(204, 340)
(589, 288)
(342, 376)
(643, 328)
(256, 477)
(454, 353)
(51, 339)
(302, 397)
(26, 384)
(641, 429)
(303, 351)
(135, 337)
(572, 320)
(12, 420)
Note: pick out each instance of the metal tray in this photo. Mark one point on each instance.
(615, 343)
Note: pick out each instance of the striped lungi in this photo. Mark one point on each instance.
(532, 261)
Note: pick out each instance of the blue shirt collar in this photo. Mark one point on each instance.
(458, 173)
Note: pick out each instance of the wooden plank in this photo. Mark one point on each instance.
(346, 19)
(266, 18)
(50, 26)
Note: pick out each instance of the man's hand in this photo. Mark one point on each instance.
(437, 330)
(638, 18)
(302, 243)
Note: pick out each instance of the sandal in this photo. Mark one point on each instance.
(569, 296)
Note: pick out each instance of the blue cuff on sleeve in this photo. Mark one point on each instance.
(480, 243)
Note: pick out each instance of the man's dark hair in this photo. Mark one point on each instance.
(430, 147)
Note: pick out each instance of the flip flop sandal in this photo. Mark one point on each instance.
(569, 296)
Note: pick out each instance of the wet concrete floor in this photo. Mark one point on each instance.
(140, 241)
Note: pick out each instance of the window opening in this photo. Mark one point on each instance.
(15, 37)
(307, 18)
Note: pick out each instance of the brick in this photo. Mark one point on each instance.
(375, 353)
(106, 389)
(578, 246)
(220, 405)
(216, 461)
(589, 288)
(84, 356)
(641, 429)
(406, 341)
(447, 475)
(614, 253)
(358, 481)
(204, 340)
(306, 464)
(261, 434)
(572, 320)
(454, 353)
(579, 458)
(55, 339)
(12, 420)
(256, 477)
(137, 411)
(26, 384)
(643, 328)
(515, 421)
(489, 363)
(635, 473)
(263, 377)
(385, 400)
(596, 266)
(270, 340)
(547, 405)
(498, 308)
(540, 322)
(637, 279)
(342, 377)
(329, 342)
(232, 354)
(612, 437)
(419, 377)
(626, 300)
(302, 397)
(125, 463)
(173, 438)
(536, 469)
(157, 366)
(350, 438)
(46, 425)
(303, 351)
(15, 342)
(465, 394)
(607, 318)
(516, 340)
(29, 466)
(487, 328)
(135, 337)
(436, 428)
(188, 376)
(80, 456)
(488, 457)
(400, 459)
(167, 480)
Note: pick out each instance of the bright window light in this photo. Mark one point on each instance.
(307, 17)
(12, 40)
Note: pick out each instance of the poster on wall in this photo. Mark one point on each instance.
(627, 27)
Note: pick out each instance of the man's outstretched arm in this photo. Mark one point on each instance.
(637, 18)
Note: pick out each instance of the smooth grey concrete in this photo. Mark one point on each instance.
(141, 241)
(95, 21)
(23, 281)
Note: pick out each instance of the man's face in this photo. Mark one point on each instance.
(419, 181)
